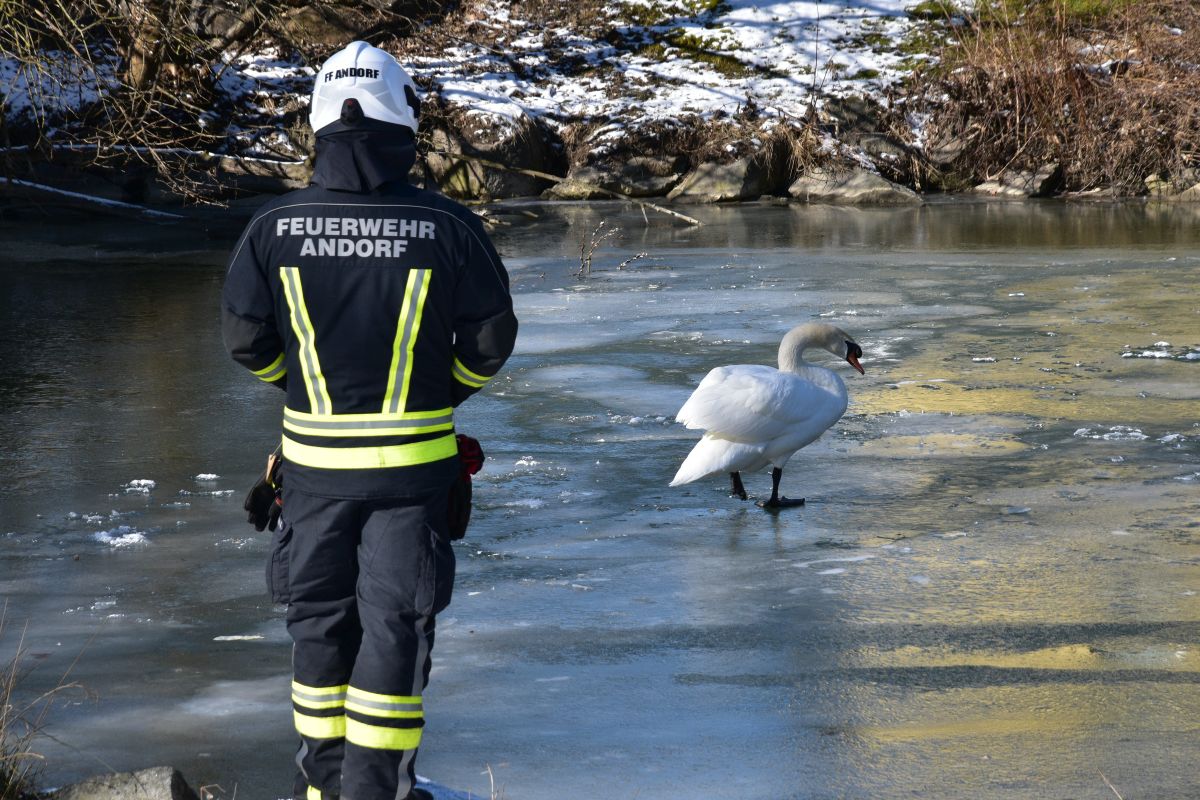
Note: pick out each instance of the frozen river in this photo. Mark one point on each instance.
(992, 592)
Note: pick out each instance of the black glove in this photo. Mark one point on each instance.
(264, 501)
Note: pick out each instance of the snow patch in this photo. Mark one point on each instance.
(1115, 433)
(120, 537)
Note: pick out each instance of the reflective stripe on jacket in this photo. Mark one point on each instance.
(378, 313)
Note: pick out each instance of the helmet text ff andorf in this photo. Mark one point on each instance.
(376, 83)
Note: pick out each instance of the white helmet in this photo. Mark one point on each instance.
(372, 77)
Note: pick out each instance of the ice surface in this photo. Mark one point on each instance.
(603, 624)
(623, 389)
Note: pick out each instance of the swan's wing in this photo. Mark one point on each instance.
(751, 403)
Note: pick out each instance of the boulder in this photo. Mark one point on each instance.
(581, 183)
(1189, 195)
(156, 783)
(1160, 187)
(647, 176)
(1022, 183)
(945, 151)
(854, 187)
(640, 176)
(861, 123)
(516, 143)
(262, 175)
(744, 178)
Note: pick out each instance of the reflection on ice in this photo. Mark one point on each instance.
(625, 390)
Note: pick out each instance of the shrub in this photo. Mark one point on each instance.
(1106, 88)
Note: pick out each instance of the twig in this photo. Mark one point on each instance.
(492, 784)
(632, 259)
(557, 178)
(115, 205)
(588, 248)
(1109, 784)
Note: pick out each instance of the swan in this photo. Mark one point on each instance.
(754, 415)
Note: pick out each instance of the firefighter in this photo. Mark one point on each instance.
(378, 308)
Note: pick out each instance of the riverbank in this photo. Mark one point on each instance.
(686, 100)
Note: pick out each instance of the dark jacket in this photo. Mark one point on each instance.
(379, 307)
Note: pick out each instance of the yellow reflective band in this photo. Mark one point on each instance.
(319, 690)
(313, 793)
(382, 738)
(272, 373)
(464, 375)
(320, 727)
(406, 423)
(406, 338)
(396, 455)
(314, 378)
(403, 699)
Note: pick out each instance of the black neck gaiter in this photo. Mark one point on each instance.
(363, 158)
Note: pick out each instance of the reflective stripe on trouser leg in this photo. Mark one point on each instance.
(382, 721)
(319, 711)
(405, 572)
(323, 622)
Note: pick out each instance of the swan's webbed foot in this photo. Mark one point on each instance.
(776, 503)
(736, 489)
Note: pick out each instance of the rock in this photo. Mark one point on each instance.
(1159, 187)
(1021, 183)
(647, 176)
(323, 27)
(855, 187)
(156, 783)
(852, 114)
(640, 176)
(264, 175)
(745, 178)
(334, 25)
(1189, 195)
(581, 183)
(944, 152)
(512, 142)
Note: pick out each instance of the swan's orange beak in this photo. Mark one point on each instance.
(853, 359)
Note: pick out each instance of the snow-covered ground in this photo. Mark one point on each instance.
(781, 57)
(649, 61)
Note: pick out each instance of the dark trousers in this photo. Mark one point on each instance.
(365, 579)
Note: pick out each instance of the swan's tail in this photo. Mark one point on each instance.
(713, 456)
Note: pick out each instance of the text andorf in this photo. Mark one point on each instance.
(354, 236)
(351, 72)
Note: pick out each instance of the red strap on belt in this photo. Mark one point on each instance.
(470, 454)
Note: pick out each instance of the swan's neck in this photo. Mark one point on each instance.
(791, 355)
(791, 359)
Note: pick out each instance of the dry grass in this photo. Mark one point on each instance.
(1106, 88)
(21, 722)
